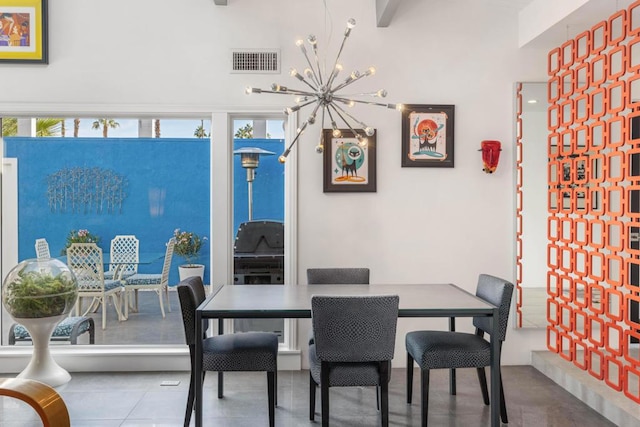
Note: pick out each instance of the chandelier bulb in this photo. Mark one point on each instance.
(381, 93)
(312, 40)
(351, 23)
(282, 159)
(369, 131)
(248, 90)
(319, 148)
(300, 42)
(336, 133)
(371, 71)
(308, 72)
(363, 142)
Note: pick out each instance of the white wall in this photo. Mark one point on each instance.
(423, 224)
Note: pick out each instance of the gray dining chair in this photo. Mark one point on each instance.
(243, 351)
(451, 350)
(336, 276)
(354, 345)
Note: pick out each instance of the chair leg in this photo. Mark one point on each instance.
(324, 392)
(104, 312)
(271, 392)
(377, 398)
(275, 386)
(424, 390)
(482, 379)
(384, 393)
(409, 378)
(312, 398)
(191, 397)
(220, 385)
(503, 405)
(161, 303)
(166, 294)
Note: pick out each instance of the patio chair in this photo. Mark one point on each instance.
(85, 260)
(42, 249)
(158, 282)
(242, 351)
(69, 329)
(354, 345)
(451, 350)
(124, 257)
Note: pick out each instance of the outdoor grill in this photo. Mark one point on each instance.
(259, 253)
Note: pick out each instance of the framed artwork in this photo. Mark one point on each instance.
(427, 136)
(348, 165)
(23, 31)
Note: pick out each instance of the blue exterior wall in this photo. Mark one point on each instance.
(168, 187)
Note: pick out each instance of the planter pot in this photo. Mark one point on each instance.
(39, 293)
(188, 270)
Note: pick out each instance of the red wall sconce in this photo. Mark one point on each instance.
(490, 155)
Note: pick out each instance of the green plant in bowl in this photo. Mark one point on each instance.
(39, 288)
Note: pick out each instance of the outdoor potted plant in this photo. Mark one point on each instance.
(39, 293)
(79, 236)
(188, 245)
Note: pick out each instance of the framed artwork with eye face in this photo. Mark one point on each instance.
(427, 136)
(349, 165)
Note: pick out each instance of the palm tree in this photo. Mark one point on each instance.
(105, 124)
(9, 126)
(245, 132)
(63, 129)
(200, 132)
(44, 127)
(76, 127)
(48, 127)
(157, 128)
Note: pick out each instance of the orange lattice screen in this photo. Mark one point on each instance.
(593, 255)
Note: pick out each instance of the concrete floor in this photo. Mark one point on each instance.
(139, 399)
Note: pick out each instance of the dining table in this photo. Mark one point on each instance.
(290, 301)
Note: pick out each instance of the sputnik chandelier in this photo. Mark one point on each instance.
(323, 95)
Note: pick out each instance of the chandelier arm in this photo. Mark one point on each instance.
(312, 116)
(351, 95)
(346, 113)
(299, 132)
(346, 122)
(315, 53)
(287, 92)
(334, 126)
(303, 80)
(297, 107)
(348, 82)
(313, 71)
(359, 101)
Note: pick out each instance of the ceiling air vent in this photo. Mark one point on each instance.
(255, 61)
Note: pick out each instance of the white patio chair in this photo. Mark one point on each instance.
(85, 259)
(156, 282)
(124, 255)
(42, 249)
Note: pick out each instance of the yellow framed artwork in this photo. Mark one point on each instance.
(23, 31)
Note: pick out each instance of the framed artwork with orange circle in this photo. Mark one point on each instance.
(427, 135)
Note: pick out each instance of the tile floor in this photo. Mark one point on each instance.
(139, 399)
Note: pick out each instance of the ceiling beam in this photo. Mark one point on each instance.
(220, 2)
(385, 9)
